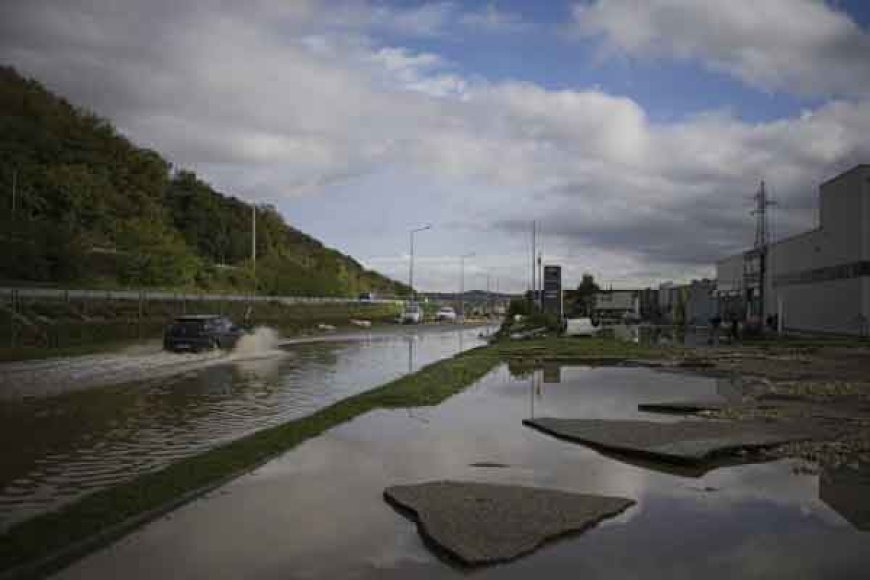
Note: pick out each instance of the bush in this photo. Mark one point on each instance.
(519, 306)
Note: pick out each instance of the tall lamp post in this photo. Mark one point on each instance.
(462, 283)
(411, 265)
(254, 245)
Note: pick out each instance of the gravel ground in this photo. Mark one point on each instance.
(829, 386)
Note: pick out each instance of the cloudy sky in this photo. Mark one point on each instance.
(634, 131)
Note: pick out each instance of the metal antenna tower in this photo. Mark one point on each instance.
(762, 240)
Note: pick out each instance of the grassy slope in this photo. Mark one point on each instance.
(82, 185)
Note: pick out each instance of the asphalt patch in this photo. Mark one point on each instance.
(688, 442)
(479, 523)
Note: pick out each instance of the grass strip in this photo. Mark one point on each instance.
(567, 348)
(48, 541)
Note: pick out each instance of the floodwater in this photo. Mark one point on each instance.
(318, 511)
(63, 439)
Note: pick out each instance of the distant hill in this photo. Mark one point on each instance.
(93, 209)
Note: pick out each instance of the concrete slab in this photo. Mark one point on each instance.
(680, 442)
(479, 523)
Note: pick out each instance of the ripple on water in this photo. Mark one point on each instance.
(92, 438)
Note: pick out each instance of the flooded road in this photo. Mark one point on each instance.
(318, 511)
(64, 437)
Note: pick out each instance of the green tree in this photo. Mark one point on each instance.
(90, 205)
(154, 255)
(586, 291)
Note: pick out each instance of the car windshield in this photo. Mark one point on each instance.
(187, 327)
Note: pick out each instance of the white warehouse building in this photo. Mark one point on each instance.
(819, 280)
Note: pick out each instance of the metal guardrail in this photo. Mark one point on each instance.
(64, 294)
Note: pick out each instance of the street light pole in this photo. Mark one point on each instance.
(411, 265)
(254, 244)
(462, 283)
(14, 190)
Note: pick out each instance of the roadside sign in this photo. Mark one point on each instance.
(553, 290)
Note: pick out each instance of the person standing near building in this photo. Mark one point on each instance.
(715, 324)
(735, 329)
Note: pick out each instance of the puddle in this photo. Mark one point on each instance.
(318, 511)
(82, 440)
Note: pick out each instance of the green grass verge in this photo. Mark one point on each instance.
(50, 540)
(581, 347)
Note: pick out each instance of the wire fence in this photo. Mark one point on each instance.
(10, 293)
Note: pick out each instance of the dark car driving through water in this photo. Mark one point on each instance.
(198, 332)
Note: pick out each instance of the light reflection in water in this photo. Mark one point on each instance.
(759, 520)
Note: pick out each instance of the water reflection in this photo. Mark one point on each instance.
(556, 390)
(846, 489)
(82, 440)
(762, 520)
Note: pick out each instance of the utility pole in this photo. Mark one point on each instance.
(534, 268)
(14, 190)
(411, 264)
(462, 283)
(254, 244)
(488, 296)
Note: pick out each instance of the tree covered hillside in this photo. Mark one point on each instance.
(93, 209)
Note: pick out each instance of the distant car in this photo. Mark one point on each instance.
(412, 314)
(446, 313)
(366, 297)
(197, 332)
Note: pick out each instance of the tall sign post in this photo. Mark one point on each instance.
(552, 294)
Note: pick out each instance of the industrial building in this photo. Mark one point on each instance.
(693, 304)
(616, 305)
(817, 281)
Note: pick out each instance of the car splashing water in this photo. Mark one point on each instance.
(262, 341)
(145, 361)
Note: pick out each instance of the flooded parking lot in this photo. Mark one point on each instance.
(318, 511)
(81, 439)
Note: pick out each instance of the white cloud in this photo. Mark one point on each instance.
(418, 72)
(278, 103)
(491, 18)
(427, 19)
(805, 46)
